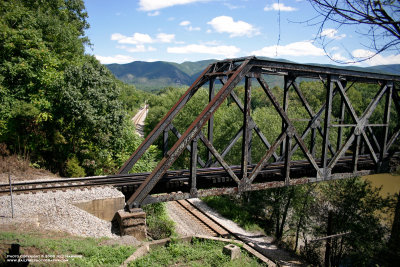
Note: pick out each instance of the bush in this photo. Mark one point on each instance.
(159, 225)
(73, 169)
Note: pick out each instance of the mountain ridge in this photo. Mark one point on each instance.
(154, 76)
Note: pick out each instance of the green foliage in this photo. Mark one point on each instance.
(93, 254)
(73, 169)
(231, 207)
(355, 206)
(159, 225)
(56, 102)
(199, 253)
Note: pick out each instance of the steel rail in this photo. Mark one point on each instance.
(207, 177)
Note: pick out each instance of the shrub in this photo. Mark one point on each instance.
(159, 225)
(73, 169)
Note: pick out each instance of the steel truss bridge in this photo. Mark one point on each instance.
(348, 149)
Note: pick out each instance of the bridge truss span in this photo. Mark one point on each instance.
(334, 131)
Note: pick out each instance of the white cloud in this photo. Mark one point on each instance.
(232, 7)
(303, 48)
(153, 14)
(150, 5)
(223, 50)
(189, 27)
(332, 34)
(120, 59)
(379, 59)
(279, 6)
(338, 57)
(137, 48)
(226, 24)
(136, 38)
(165, 37)
(184, 23)
(142, 38)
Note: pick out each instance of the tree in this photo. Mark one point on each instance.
(382, 19)
(350, 206)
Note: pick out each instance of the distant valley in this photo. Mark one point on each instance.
(154, 76)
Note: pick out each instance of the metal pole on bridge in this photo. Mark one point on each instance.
(12, 206)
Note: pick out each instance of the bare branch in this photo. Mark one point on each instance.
(383, 17)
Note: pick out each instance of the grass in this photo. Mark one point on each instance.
(159, 225)
(84, 251)
(199, 253)
(228, 208)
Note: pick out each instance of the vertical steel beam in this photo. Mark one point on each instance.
(313, 141)
(386, 120)
(328, 112)
(193, 168)
(210, 130)
(286, 86)
(287, 158)
(165, 141)
(340, 130)
(356, 150)
(246, 127)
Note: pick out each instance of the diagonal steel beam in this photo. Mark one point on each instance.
(219, 157)
(178, 135)
(194, 129)
(232, 142)
(367, 113)
(165, 122)
(310, 112)
(252, 122)
(264, 160)
(289, 124)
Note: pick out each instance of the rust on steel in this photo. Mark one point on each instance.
(276, 168)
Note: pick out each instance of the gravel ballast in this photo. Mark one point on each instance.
(55, 211)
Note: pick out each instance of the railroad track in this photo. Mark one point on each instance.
(216, 229)
(172, 181)
(205, 221)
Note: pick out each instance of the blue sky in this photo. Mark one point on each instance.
(123, 31)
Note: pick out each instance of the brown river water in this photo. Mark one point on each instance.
(390, 185)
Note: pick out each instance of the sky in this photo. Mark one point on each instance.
(122, 31)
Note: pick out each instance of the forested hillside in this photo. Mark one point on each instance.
(59, 107)
(154, 76)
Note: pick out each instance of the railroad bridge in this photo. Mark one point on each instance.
(351, 144)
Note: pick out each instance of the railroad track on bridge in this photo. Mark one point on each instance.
(172, 181)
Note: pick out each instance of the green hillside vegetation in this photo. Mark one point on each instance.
(58, 104)
(155, 76)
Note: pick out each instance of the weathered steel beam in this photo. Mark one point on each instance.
(219, 158)
(178, 135)
(361, 124)
(311, 71)
(246, 126)
(193, 130)
(290, 127)
(193, 168)
(164, 122)
(327, 121)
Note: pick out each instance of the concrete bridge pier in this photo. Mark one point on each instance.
(133, 223)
